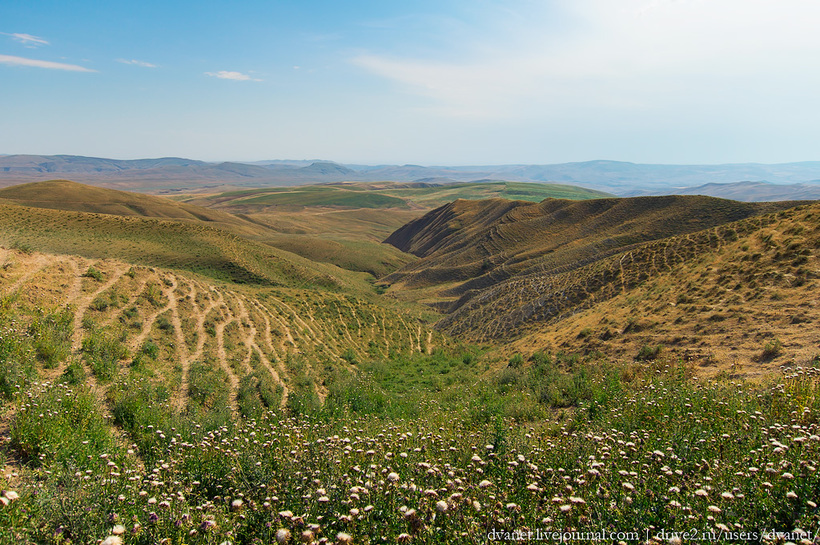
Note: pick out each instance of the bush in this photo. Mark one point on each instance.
(73, 374)
(150, 349)
(771, 349)
(350, 356)
(93, 273)
(516, 361)
(649, 353)
(22, 247)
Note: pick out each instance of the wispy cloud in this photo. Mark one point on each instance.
(633, 54)
(137, 63)
(235, 76)
(36, 63)
(27, 39)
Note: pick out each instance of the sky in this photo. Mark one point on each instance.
(430, 82)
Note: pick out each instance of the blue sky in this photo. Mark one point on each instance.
(426, 82)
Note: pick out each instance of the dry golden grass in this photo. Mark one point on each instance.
(737, 297)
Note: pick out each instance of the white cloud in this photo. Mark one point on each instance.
(626, 55)
(22, 61)
(137, 63)
(28, 40)
(235, 76)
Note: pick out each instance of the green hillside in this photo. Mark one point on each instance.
(345, 223)
(72, 196)
(196, 247)
(388, 195)
(620, 364)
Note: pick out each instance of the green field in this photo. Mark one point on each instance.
(388, 195)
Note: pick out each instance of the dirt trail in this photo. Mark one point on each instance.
(242, 318)
(222, 357)
(135, 343)
(179, 340)
(288, 335)
(76, 290)
(131, 300)
(32, 266)
(298, 320)
(282, 372)
(384, 334)
(83, 301)
(250, 342)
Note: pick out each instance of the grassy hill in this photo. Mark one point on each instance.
(345, 223)
(478, 243)
(196, 247)
(355, 255)
(72, 196)
(621, 276)
(166, 380)
(389, 195)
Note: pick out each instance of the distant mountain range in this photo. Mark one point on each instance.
(746, 181)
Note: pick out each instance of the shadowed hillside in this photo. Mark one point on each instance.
(701, 276)
(471, 245)
(344, 223)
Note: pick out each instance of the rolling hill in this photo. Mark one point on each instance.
(356, 255)
(73, 196)
(755, 191)
(344, 223)
(637, 270)
(166, 374)
(177, 175)
(479, 243)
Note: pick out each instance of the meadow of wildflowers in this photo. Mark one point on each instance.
(101, 445)
(656, 454)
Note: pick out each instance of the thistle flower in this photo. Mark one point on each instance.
(10, 495)
(282, 535)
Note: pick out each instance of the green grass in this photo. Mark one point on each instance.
(197, 248)
(102, 351)
(533, 192)
(326, 196)
(61, 426)
(390, 195)
(663, 452)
